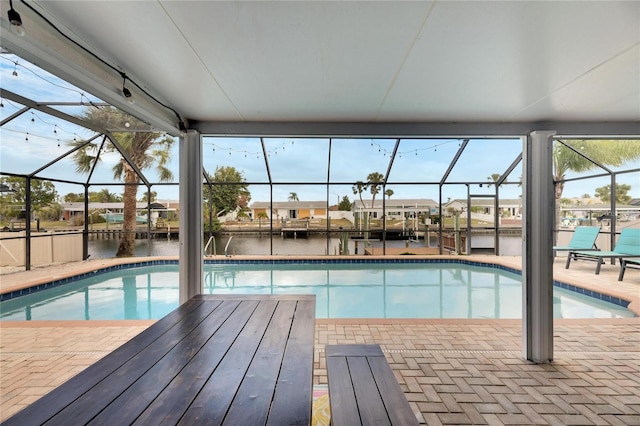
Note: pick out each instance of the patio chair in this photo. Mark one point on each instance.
(627, 263)
(584, 238)
(628, 245)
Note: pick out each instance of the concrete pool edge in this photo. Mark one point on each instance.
(331, 321)
(569, 277)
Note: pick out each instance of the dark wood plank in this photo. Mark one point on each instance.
(99, 396)
(292, 402)
(294, 297)
(370, 404)
(50, 404)
(128, 406)
(353, 350)
(342, 397)
(398, 408)
(212, 403)
(253, 399)
(174, 400)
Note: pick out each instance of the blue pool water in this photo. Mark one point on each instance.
(343, 290)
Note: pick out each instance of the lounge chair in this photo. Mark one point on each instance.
(628, 245)
(627, 263)
(584, 238)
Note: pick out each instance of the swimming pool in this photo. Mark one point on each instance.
(364, 289)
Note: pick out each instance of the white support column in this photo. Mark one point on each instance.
(190, 215)
(537, 250)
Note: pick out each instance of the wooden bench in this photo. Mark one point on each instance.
(363, 389)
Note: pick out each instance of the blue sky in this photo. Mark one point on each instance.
(34, 139)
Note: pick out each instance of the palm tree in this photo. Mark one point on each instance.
(293, 196)
(106, 196)
(262, 216)
(358, 188)
(145, 149)
(606, 152)
(493, 178)
(388, 193)
(375, 180)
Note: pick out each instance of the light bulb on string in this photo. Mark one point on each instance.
(16, 20)
(128, 96)
(125, 91)
(26, 138)
(32, 117)
(15, 69)
(55, 129)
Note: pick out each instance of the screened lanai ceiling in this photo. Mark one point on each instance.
(343, 62)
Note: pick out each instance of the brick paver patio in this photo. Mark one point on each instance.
(472, 372)
(452, 371)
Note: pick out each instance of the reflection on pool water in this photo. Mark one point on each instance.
(343, 290)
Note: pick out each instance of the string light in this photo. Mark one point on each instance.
(50, 123)
(29, 136)
(126, 92)
(381, 149)
(385, 151)
(38, 73)
(181, 124)
(16, 20)
(245, 152)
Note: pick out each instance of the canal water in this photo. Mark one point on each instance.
(254, 245)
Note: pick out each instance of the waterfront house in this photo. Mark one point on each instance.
(111, 211)
(286, 210)
(396, 208)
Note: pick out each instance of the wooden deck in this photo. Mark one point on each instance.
(234, 360)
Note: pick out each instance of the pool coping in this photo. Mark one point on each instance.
(331, 321)
(598, 292)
